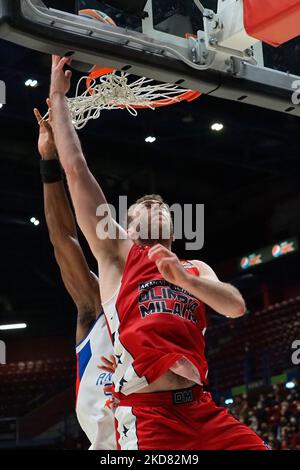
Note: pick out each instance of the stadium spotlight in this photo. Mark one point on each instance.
(31, 83)
(290, 385)
(217, 126)
(150, 139)
(35, 221)
(15, 326)
(228, 401)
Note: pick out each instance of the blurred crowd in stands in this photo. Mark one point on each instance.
(241, 353)
(274, 415)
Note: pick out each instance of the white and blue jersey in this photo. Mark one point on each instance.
(95, 418)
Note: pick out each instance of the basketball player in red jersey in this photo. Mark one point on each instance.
(154, 307)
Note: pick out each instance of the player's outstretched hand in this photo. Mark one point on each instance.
(60, 78)
(168, 265)
(108, 365)
(46, 144)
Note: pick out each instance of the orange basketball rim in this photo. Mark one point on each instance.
(189, 95)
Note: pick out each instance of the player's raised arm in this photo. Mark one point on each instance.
(107, 240)
(81, 284)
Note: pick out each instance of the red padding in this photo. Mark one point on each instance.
(272, 21)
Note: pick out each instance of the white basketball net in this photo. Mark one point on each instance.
(114, 90)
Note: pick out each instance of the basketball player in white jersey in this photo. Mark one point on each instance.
(94, 414)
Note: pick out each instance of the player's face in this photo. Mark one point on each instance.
(150, 221)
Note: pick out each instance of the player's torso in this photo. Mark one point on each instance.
(146, 318)
(95, 418)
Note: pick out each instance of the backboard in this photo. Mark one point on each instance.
(173, 41)
(176, 17)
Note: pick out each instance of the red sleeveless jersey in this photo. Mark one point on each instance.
(155, 326)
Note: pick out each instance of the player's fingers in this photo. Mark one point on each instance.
(106, 361)
(164, 263)
(68, 74)
(46, 122)
(55, 59)
(154, 251)
(38, 116)
(168, 260)
(62, 62)
(106, 369)
(161, 262)
(68, 59)
(158, 253)
(41, 120)
(49, 110)
(157, 248)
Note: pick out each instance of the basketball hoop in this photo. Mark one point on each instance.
(107, 89)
